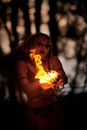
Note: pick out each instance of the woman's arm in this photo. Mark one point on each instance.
(23, 80)
(62, 78)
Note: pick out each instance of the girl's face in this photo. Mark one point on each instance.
(41, 47)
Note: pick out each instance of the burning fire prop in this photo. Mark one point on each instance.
(48, 78)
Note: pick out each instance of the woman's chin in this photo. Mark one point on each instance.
(43, 58)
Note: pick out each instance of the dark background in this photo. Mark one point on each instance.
(12, 114)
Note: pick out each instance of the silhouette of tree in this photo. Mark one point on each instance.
(24, 6)
(53, 26)
(14, 21)
(38, 14)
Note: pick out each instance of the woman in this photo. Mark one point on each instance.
(43, 111)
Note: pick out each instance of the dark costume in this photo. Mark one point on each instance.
(43, 110)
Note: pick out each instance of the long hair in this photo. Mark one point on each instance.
(31, 41)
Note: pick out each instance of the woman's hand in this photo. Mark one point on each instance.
(60, 83)
(46, 86)
(47, 89)
(59, 86)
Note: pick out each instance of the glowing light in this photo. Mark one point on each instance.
(49, 77)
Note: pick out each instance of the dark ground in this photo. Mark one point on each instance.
(74, 106)
(75, 110)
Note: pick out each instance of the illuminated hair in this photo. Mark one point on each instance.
(32, 40)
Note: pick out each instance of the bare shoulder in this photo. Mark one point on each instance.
(54, 59)
(21, 62)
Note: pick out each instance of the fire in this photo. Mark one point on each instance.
(43, 76)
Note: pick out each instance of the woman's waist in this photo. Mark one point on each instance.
(42, 101)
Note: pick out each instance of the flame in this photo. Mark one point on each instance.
(43, 76)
